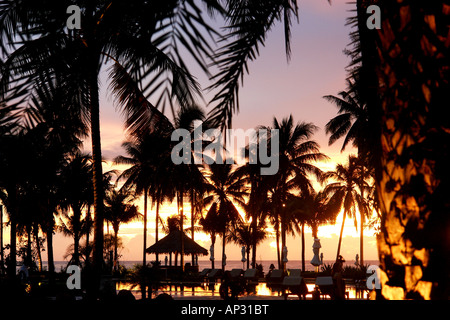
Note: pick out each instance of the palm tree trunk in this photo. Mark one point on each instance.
(213, 242)
(223, 248)
(28, 259)
(116, 239)
(2, 261)
(361, 241)
(76, 237)
(192, 221)
(157, 225)
(277, 237)
(88, 222)
(411, 68)
(254, 234)
(38, 246)
(180, 208)
(144, 254)
(97, 175)
(283, 242)
(303, 247)
(340, 236)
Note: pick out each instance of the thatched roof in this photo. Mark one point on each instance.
(172, 243)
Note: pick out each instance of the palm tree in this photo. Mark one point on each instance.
(407, 63)
(311, 210)
(119, 209)
(76, 190)
(345, 193)
(145, 155)
(351, 121)
(225, 188)
(244, 234)
(297, 155)
(142, 39)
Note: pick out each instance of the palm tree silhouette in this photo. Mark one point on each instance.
(146, 155)
(352, 119)
(119, 209)
(345, 193)
(76, 191)
(225, 188)
(309, 209)
(297, 155)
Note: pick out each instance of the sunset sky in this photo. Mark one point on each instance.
(273, 88)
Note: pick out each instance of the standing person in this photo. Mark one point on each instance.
(339, 284)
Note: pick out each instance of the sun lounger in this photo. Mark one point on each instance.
(295, 284)
(251, 275)
(214, 274)
(325, 285)
(276, 276)
(203, 274)
(295, 272)
(235, 273)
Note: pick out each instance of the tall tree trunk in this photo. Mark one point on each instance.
(361, 242)
(283, 241)
(116, 240)
(38, 246)
(182, 231)
(192, 222)
(50, 257)
(411, 65)
(97, 177)
(88, 247)
(277, 239)
(254, 228)
(28, 258)
(76, 237)
(12, 196)
(340, 236)
(213, 242)
(144, 254)
(157, 225)
(2, 261)
(303, 247)
(224, 241)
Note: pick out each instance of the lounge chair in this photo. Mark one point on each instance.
(203, 274)
(326, 286)
(276, 276)
(236, 273)
(295, 272)
(296, 285)
(251, 275)
(214, 274)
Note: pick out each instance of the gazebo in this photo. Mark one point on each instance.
(172, 244)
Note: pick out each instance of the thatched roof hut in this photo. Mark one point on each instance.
(172, 244)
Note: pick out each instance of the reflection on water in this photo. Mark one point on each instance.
(212, 290)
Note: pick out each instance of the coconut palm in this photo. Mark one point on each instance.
(145, 155)
(75, 190)
(351, 121)
(308, 210)
(244, 234)
(297, 157)
(119, 209)
(344, 193)
(225, 188)
(143, 39)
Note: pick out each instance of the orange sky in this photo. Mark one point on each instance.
(273, 88)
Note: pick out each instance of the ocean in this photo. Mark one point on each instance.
(231, 264)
